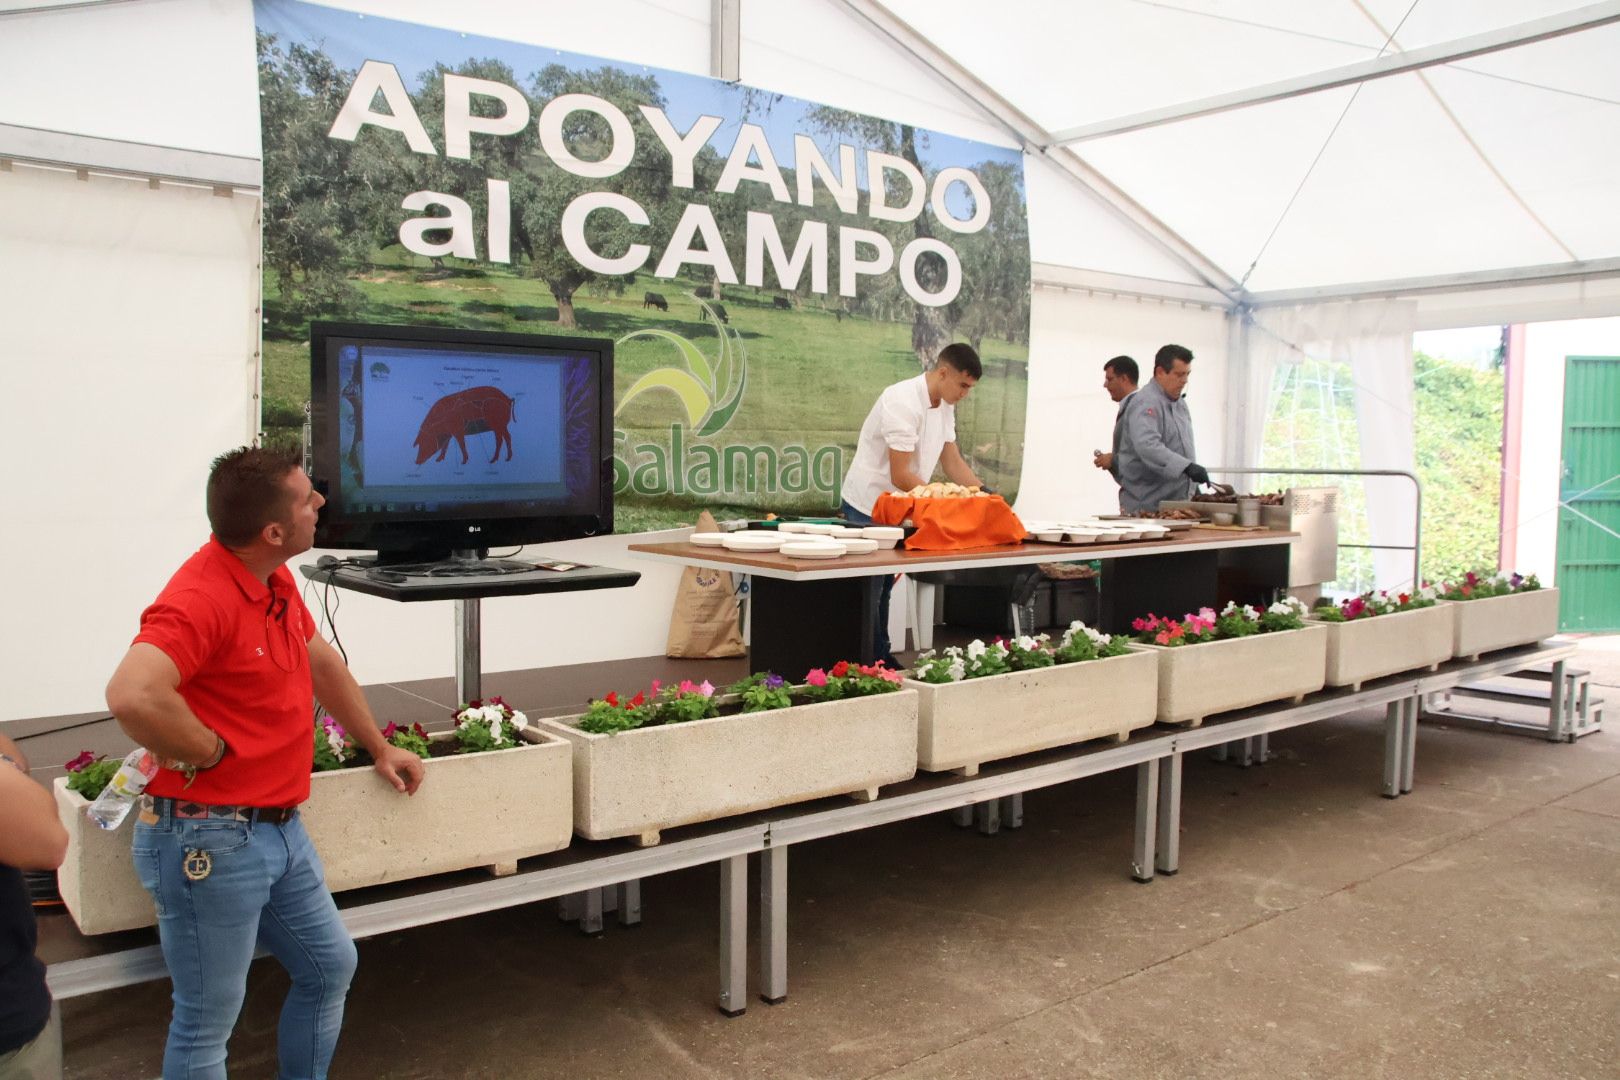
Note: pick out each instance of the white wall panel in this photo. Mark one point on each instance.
(1071, 336)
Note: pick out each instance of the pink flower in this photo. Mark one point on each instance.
(655, 685)
(1163, 638)
(706, 688)
(85, 758)
(890, 676)
(1207, 615)
(816, 677)
(688, 687)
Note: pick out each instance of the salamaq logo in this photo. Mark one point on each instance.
(709, 395)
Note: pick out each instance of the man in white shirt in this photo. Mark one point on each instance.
(910, 431)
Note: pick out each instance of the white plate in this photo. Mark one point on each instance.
(883, 532)
(707, 539)
(1051, 536)
(859, 546)
(799, 549)
(792, 527)
(1081, 536)
(755, 540)
(844, 532)
(817, 528)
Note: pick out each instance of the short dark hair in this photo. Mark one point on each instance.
(962, 357)
(246, 492)
(1125, 366)
(1166, 357)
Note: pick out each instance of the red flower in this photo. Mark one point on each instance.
(840, 669)
(639, 699)
(1468, 590)
(390, 730)
(612, 698)
(420, 730)
(85, 758)
(1406, 598)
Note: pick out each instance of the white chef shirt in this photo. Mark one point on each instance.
(903, 419)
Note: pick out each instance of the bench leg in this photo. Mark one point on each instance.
(1168, 859)
(1147, 821)
(773, 884)
(734, 935)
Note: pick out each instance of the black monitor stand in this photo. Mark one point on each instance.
(467, 578)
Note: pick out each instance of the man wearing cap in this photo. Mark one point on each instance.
(1155, 458)
(220, 684)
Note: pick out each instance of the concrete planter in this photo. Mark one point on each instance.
(97, 878)
(1500, 622)
(1196, 681)
(638, 783)
(964, 724)
(486, 809)
(1371, 648)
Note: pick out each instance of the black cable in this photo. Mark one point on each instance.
(58, 731)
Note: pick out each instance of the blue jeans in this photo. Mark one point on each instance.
(264, 888)
(880, 634)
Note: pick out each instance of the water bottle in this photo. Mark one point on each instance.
(112, 805)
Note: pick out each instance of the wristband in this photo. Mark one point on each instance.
(190, 771)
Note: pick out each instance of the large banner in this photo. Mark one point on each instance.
(765, 265)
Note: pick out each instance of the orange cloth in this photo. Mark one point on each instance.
(951, 524)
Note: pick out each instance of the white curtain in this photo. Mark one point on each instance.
(1374, 338)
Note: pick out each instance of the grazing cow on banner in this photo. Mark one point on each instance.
(781, 302)
(720, 313)
(466, 412)
(652, 299)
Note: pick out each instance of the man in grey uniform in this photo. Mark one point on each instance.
(1120, 377)
(1155, 459)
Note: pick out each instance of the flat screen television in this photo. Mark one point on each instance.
(428, 440)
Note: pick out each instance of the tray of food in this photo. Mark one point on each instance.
(1184, 519)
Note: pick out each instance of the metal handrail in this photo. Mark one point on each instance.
(1416, 547)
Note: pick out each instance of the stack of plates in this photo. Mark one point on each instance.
(756, 540)
(707, 539)
(813, 549)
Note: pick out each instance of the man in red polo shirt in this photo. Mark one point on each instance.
(220, 684)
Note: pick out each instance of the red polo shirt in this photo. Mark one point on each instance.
(243, 654)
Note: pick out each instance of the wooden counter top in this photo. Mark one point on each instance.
(900, 561)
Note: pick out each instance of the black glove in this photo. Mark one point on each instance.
(1197, 473)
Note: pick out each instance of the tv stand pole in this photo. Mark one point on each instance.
(468, 646)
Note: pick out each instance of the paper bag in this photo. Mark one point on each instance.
(704, 622)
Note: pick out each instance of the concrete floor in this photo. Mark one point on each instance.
(1469, 929)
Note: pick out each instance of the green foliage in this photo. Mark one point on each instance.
(1081, 643)
(414, 738)
(1457, 427)
(607, 718)
(90, 780)
(1459, 460)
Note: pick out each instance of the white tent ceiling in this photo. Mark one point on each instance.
(1496, 166)
(1500, 165)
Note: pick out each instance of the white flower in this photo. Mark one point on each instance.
(520, 721)
(1288, 605)
(495, 729)
(1231, 606)
(1429, 592)
(1500, 578)
(335, 744)
(975, 649)
(957, 670)
(1025, 642)
(1250, 614)
(1098, 638)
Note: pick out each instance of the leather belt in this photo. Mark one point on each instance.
(187, 810)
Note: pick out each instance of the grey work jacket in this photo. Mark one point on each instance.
(1155, 448)
(1119, 424)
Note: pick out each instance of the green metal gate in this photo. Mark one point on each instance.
(1589, 496)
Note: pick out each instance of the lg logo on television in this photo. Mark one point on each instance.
(475, 528)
